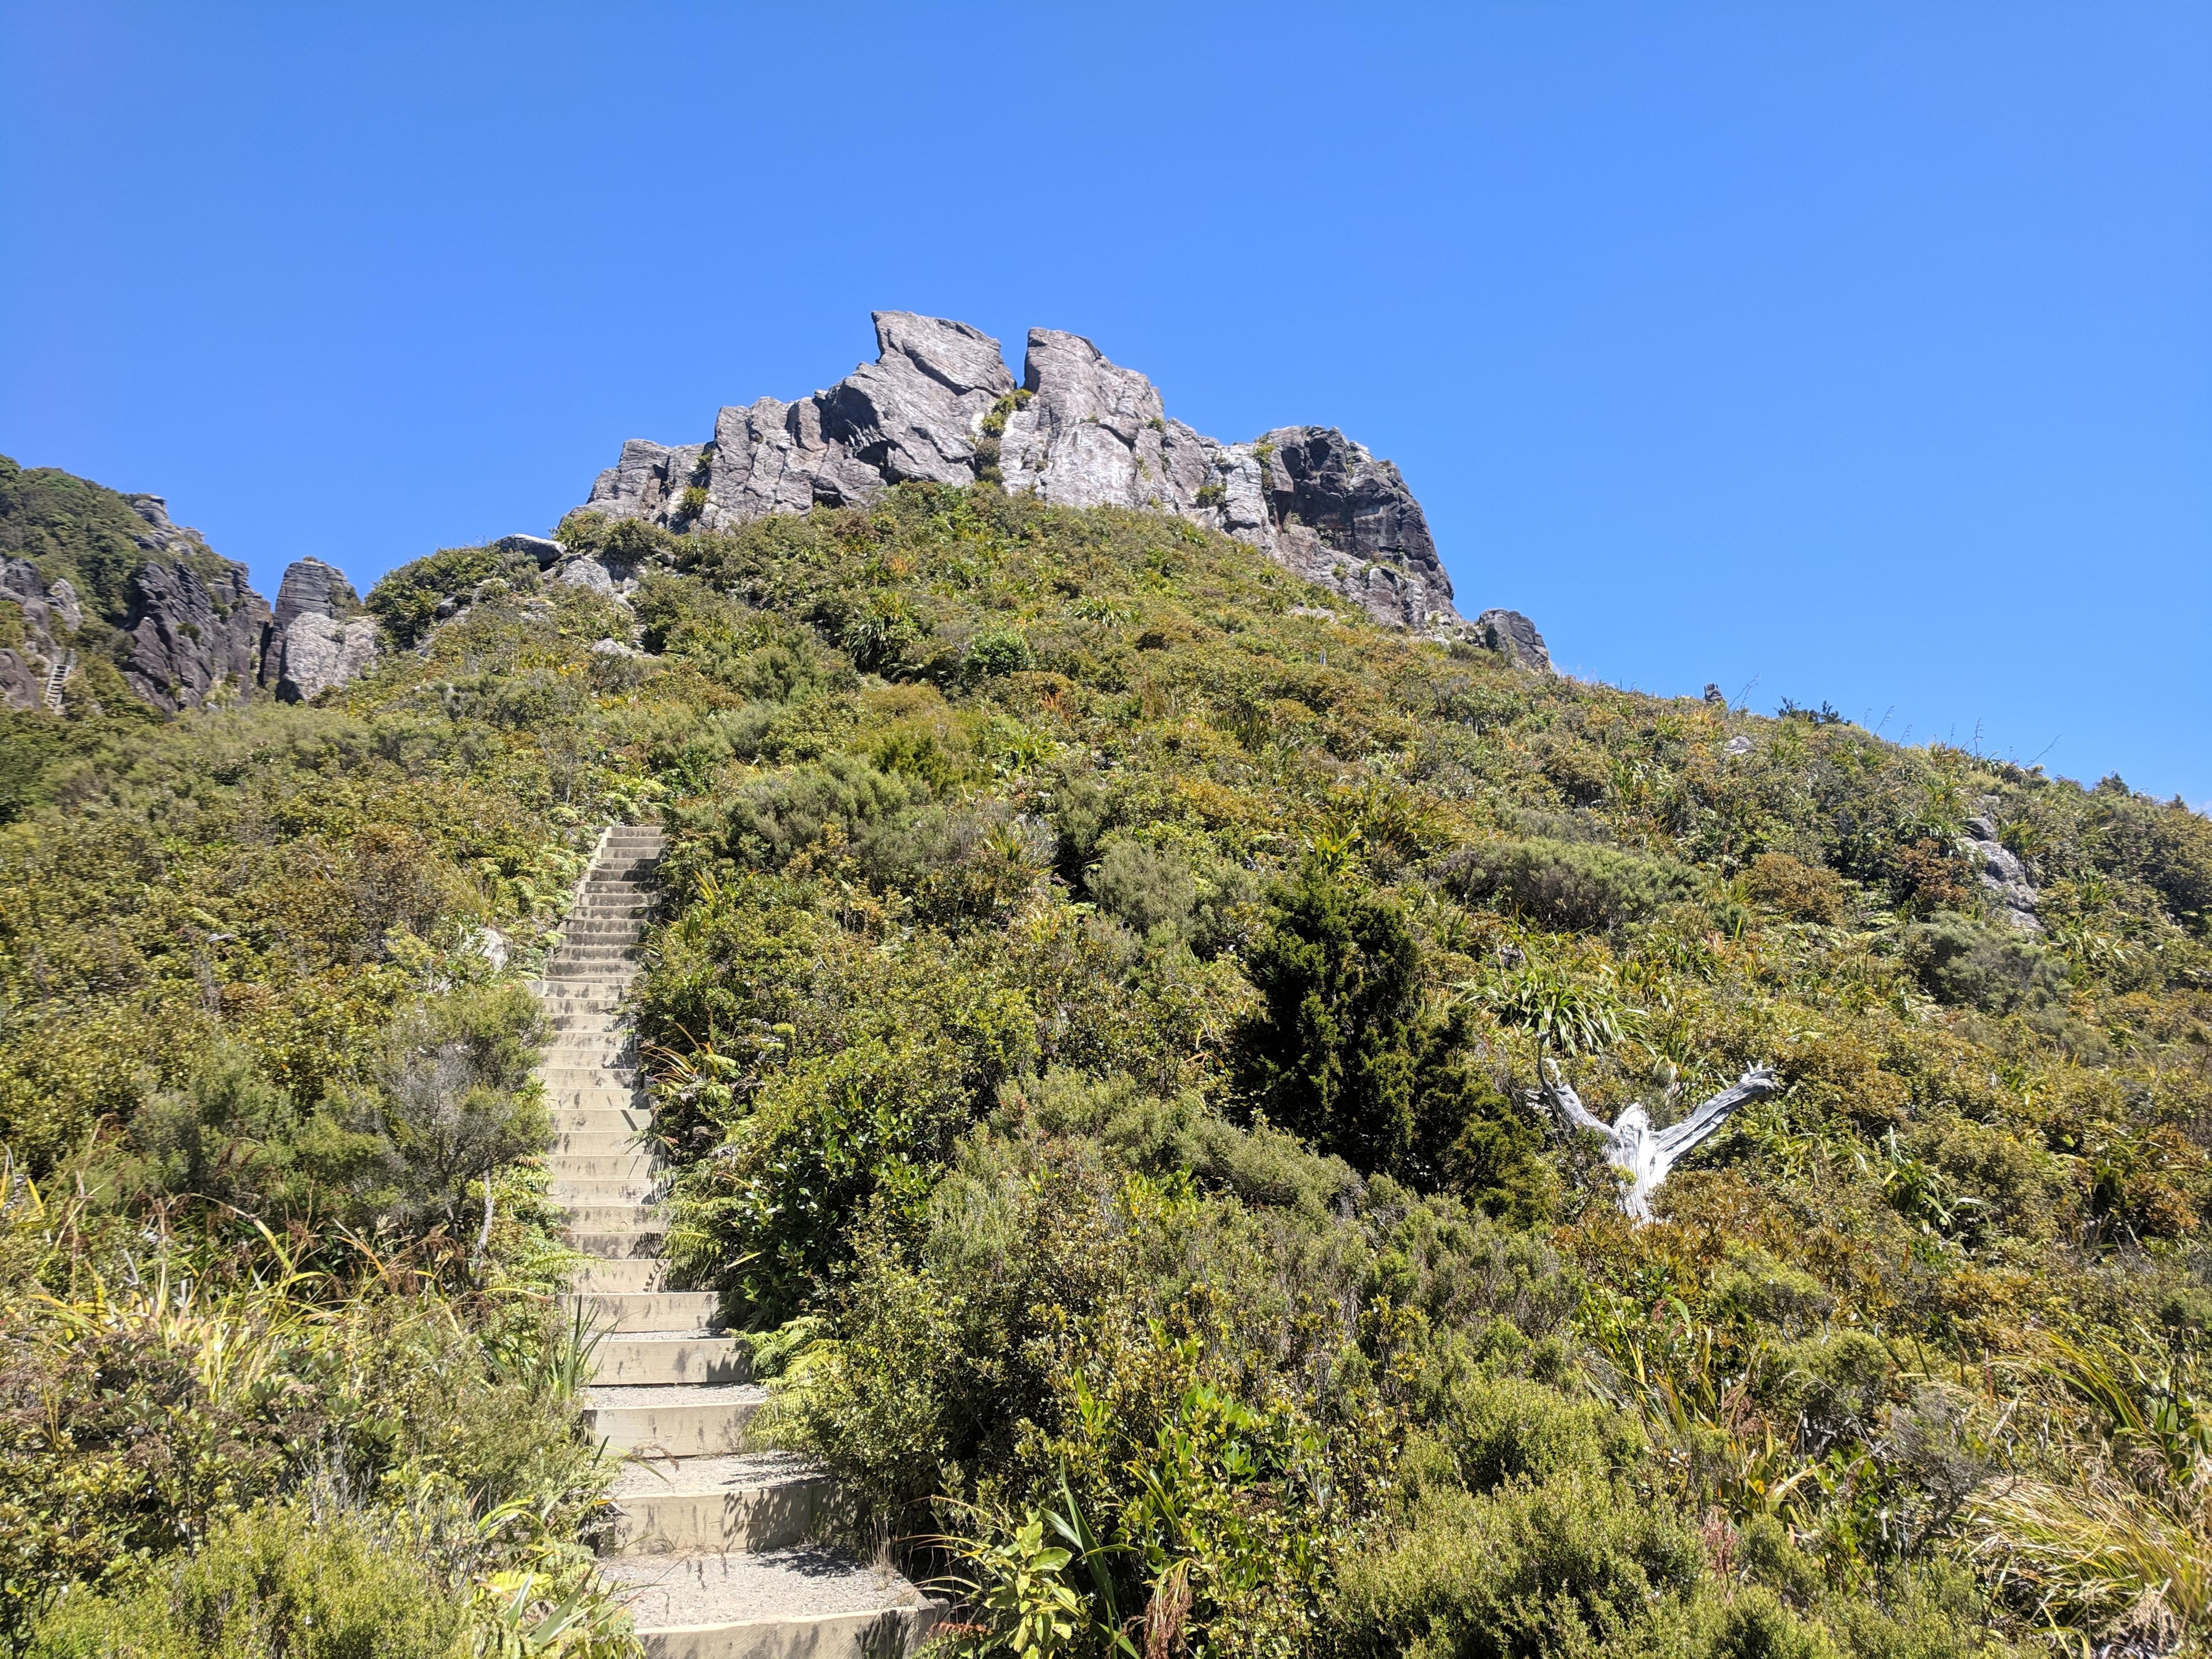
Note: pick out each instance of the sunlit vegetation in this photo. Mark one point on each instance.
(1095, 1005)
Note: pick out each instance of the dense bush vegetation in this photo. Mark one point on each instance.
(278, 1368)
(1096, 1001)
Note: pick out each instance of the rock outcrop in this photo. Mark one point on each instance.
(31, 664)
(2004, 875)
(939, 406)
(1514, 637)
(193, 623)
(318, 639)
(184, 624)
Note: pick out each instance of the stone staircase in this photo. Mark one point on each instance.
(712, 1542)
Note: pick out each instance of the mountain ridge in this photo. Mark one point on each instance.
(939, 405)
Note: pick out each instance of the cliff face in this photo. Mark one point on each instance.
(940, 405)
(85, 571)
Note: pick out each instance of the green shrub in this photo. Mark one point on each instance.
(994, 651)
(1501, 1429)
(1567, 884)
(1561, 1567)
(1964, 963)
(1329, 1057)
(769, 820)
(1144, 886)
(281, 1582)
(1802, 892)
(406, 600)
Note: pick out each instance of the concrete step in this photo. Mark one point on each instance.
(615, 1216)
(616, 1245)
(804, 1602)
(600, 1119)
(645, 1310)
(603, 929)
(596, 1078)
(570, 1171)
(754, 1501)
(575, 1193)
(689, 1420)
(665, 1359)
(631, 1276)
(596, 1143)
(591, 1056)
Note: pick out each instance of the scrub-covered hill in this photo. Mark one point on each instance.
(1113, 1007)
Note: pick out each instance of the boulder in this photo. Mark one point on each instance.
(320, 654)
(939, 406)
(318, 638)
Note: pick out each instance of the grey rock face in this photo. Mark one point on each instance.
(319, 653)
(1093, 434)
(1088, 433)
(317, 637)
(2004, 875)
(46, 611)
(916, 411)
(188, 635)
(311, 585)
(1513, 635)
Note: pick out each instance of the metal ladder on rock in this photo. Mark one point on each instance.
(56, 677)
(715, 1541)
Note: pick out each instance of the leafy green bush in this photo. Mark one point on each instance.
(278, 1580)
(769, 820)
(407, 600)
(1968, 964)
(1564, 1564)
(1567, 884)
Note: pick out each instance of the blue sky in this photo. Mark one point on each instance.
(1860, 353)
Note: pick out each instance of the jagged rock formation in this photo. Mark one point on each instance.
(2004, 875)
(317, 637)
(939, 405)
(175, 618)
(194, 623)
(30, 664)
(1513, 636)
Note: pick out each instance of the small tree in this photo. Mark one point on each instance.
(1329, 1057)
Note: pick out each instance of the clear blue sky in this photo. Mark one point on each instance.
(1861, 351)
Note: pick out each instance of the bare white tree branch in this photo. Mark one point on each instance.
(1645, 1155)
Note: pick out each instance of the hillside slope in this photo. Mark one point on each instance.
(1100, 998)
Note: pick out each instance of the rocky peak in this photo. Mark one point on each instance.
(176, 619)
(939, 405)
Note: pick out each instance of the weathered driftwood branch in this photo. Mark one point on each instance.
(1646, 1155)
